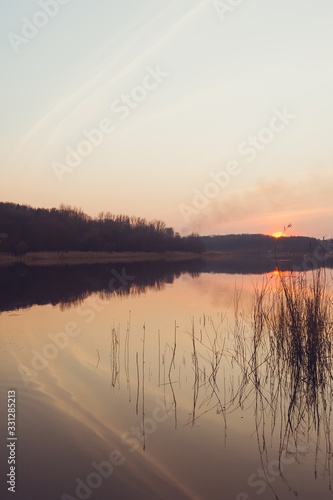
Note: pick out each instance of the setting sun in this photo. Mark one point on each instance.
(277, 235)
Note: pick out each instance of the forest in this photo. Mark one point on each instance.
(25, 229)
(268, 245)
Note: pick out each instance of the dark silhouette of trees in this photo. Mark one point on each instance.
(264, 244)
(69, 228)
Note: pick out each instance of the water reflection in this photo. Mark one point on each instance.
(276, 361)
(290, 367)
(24, 286)
(179, 380)
(284, 352)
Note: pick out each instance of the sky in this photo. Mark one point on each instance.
(213, 116)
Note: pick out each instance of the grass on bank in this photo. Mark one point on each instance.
(75, 258)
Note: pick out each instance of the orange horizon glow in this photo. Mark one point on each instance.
(277, 272)
(278, 234)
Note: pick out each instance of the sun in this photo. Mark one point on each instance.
(277, 234)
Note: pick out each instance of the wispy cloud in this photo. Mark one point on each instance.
(282, 197)
(72, 105)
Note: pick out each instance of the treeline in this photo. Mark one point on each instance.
(25, 229)
(260, 243)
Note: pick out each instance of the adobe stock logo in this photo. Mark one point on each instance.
(122, 107)
(249, 149)
(257, 143)
(275, 468)
(103, 470)
(31, 28)
(60, 340)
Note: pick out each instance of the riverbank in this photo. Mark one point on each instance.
(77, 258)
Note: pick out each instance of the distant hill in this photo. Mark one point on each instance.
(268, 245)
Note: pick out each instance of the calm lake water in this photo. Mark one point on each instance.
(135, 382)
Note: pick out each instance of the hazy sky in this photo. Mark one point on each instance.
(214, 116)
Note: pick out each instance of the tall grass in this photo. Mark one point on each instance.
(291, 359)
(296, 317)
(284, 352)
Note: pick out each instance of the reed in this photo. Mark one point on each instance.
(114, 356)
(127, 356)
(291, 360)
(143, 387)
(172, 363)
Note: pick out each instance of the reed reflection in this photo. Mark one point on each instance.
(277, 361)
(287, 362)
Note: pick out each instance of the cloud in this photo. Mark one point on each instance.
(76, 104)
(309, 195)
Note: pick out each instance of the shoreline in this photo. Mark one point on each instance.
(77, 258)
(73, 258)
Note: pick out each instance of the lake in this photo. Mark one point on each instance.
(152, 381)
